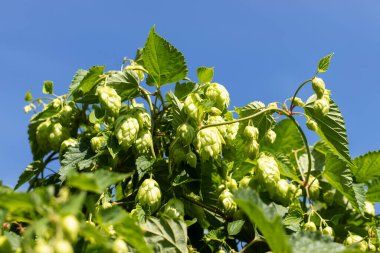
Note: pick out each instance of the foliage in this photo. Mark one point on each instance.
(119, 166)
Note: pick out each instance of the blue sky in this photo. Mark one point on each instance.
(260, 50)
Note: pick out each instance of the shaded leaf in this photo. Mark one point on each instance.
(234, 227)
(143, 164)
(84, 81)
(367, 166)
(48, 87)
(30, 171)
(28, 96)
(181, 90)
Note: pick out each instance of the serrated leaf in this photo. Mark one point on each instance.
(210, 180)
(286, 167)
(183, 178)
(48, 87)
(339, 175)
(76, 157)
(234, 227)
(166, 235)
(309, 242)
(181, 90)
(324, 63)
(179, 116)
(28, 96)
(331, 128)
(293, 219)
(367, 166)
(163, 61)
(205, 74)
(125, 84)
(373, 193)
(31, 170)
(84, 81)
(96, 181)
(265, 218)
(143, 164)
(288, 138)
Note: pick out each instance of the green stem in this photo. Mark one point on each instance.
(152, 111)
(241, 119)
(295, 94)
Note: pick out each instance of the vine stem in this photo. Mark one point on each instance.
(295, 93)
(152, 111)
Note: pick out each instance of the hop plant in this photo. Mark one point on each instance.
(191, 106)
(251, 133)
(322, 106)
(136, 69)
(227, 202)
(318, 86)
(219, 95)
(208, 143)
(251, 149)
(298, 102)
(352, 239)
(144, 142)
(126, 130)
(369, 208)
(314, 187)
(42, 134)
(98, 143)
(149, 195)
(312, 125)
(57, 135)
(215, 120)
(328, 231)
(109, 100)
(310, 226)
(231, 132)
(119, 246)
(174, 209)
(70, 225)
(143, 117)
(271, 136)
(71, 142)
(191, 159)
(68, 115)
(186, 133)
(268, 171)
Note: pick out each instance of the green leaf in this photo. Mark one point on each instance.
(367, 166)
(16, 201)
(210, 180)
(30, 171)
(77, 157)
(48, 87)
(339, 175)
(143, 164)
(373, 193)
(179, 116)
(324, 63)
(163, 61)
(74, 204)
(96, 181)
(28, 96)
(309, 242)
(124, 83)
(265, 218)
(331, 128)
(84, 81)
(293, 219)
(205, 74)
(234, 227)
(288, 138)
(166, 235)
(14, 239)
(181, 90)
(286, 167)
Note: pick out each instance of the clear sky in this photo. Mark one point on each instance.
(260, 50)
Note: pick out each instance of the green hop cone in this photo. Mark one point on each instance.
(215, 111)
(42, 134)
(42, 247)
(136, 70)
(281, 192)
(174, 209)
(231, 132)
(268, 171)
(309, 226)
(371, 247)
(328, 197)
(191, 159)
(245, 181)
(143, 118)
(68, 115)
(251, 149)
(328, 231)
(318, 86)
(144, 142)
(186, 133)
(70, 142)
(215, 120)
(231, 184)
(356, 239)
(272, 106)
(298, 102)
(63, 246)
(208, 143)
(177, 154)
(270, 136)
(369, 208)
(126, 130)
(57, 135)
(227, 202)
(251, 133)
(314, 187)
(119, 246)
(109, 100)
(191, 106)
(312, 125)
(5, 245)
(70, 225)
(321, 106)
(149, 195)
(219, 95)
(98, 143)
